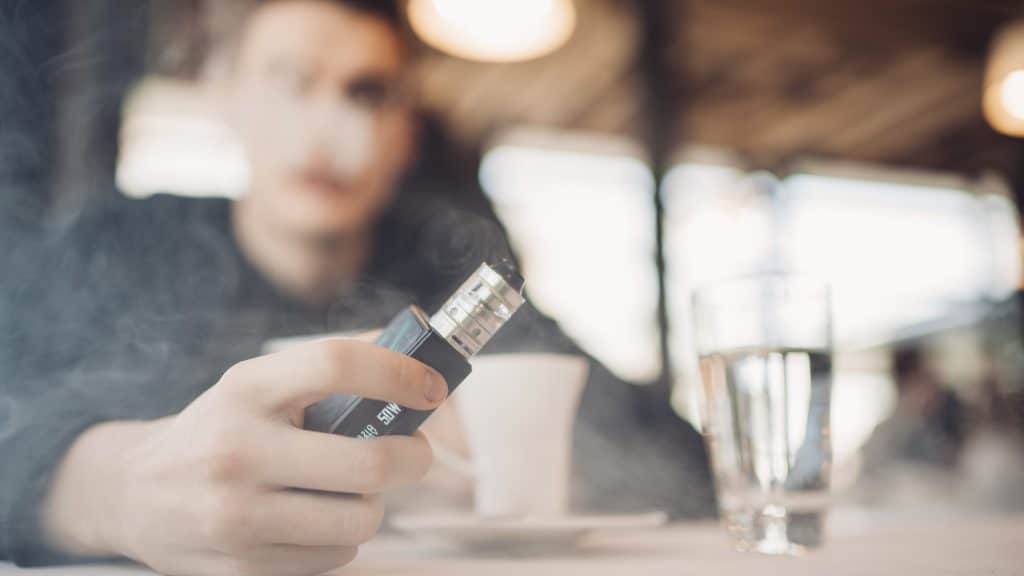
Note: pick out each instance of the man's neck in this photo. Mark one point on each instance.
(311, 269)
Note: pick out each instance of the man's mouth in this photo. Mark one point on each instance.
(320, 182)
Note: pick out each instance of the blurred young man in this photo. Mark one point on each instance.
(140, 426)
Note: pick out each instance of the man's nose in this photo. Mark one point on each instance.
(344, 132)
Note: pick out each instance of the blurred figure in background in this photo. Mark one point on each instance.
(124, 356)
(911, 459)
(928, 427)
(993, 459)
(993, 455)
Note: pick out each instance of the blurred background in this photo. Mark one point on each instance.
(639, 150)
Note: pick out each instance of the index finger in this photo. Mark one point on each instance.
(303, 375)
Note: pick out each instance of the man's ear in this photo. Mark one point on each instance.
(410, 139)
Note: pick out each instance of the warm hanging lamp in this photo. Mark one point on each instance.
(494, 30)
(1004, 81)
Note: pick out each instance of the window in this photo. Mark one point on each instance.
(172, 142)
(900, 255)
(580, 215)
(905, 255)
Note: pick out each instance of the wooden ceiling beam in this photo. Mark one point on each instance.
(962, 25)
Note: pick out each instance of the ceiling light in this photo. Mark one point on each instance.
(1012, 93)
(1004, 81)
(494, 30)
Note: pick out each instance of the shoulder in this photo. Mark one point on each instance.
(162, 214)
(133, 239)
(131, 228)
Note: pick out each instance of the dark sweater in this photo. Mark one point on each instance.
(142, 305)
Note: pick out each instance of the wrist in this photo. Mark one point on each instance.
(85, 508)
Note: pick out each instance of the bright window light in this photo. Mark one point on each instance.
(702, 244)
(171, 142)
(582, 224)
(716, 225)
(184, 155)
(902, 257)
(898, 255)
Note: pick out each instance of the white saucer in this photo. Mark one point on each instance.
(469, 530)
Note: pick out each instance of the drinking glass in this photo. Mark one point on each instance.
(765, 352)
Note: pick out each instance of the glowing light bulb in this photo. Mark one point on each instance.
(494, 30)
(1012, 93)
(469, 12)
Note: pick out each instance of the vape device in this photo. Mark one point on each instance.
(445, 342)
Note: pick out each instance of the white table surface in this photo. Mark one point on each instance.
(941, 547)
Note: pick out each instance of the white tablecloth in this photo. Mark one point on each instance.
(941, 546)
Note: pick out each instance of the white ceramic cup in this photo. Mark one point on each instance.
(517, 412)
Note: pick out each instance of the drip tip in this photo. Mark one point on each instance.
(508, 271)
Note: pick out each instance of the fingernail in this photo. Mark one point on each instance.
(437, 389)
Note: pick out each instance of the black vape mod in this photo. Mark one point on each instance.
(445, 342)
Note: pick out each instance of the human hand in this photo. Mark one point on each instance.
(232, 484)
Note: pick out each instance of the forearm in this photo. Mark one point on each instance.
(81, 515)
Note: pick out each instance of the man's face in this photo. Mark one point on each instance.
(315, 95)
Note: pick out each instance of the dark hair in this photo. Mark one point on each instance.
(224, 21)
(906, 360)
(387, 10)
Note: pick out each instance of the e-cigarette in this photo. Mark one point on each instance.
(445, 342)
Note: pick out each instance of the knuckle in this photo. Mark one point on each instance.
(408, 374)
(375, 466)
(243, 566)
(336, 354)
(365, 522)
(227, 460)
(348, 556)
(426, 452)
(414, 374)
(411, 378)
(235, 373)
(232, 383)
(375, 508)
(234, 567)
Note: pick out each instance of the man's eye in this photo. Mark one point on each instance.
(372, 94)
